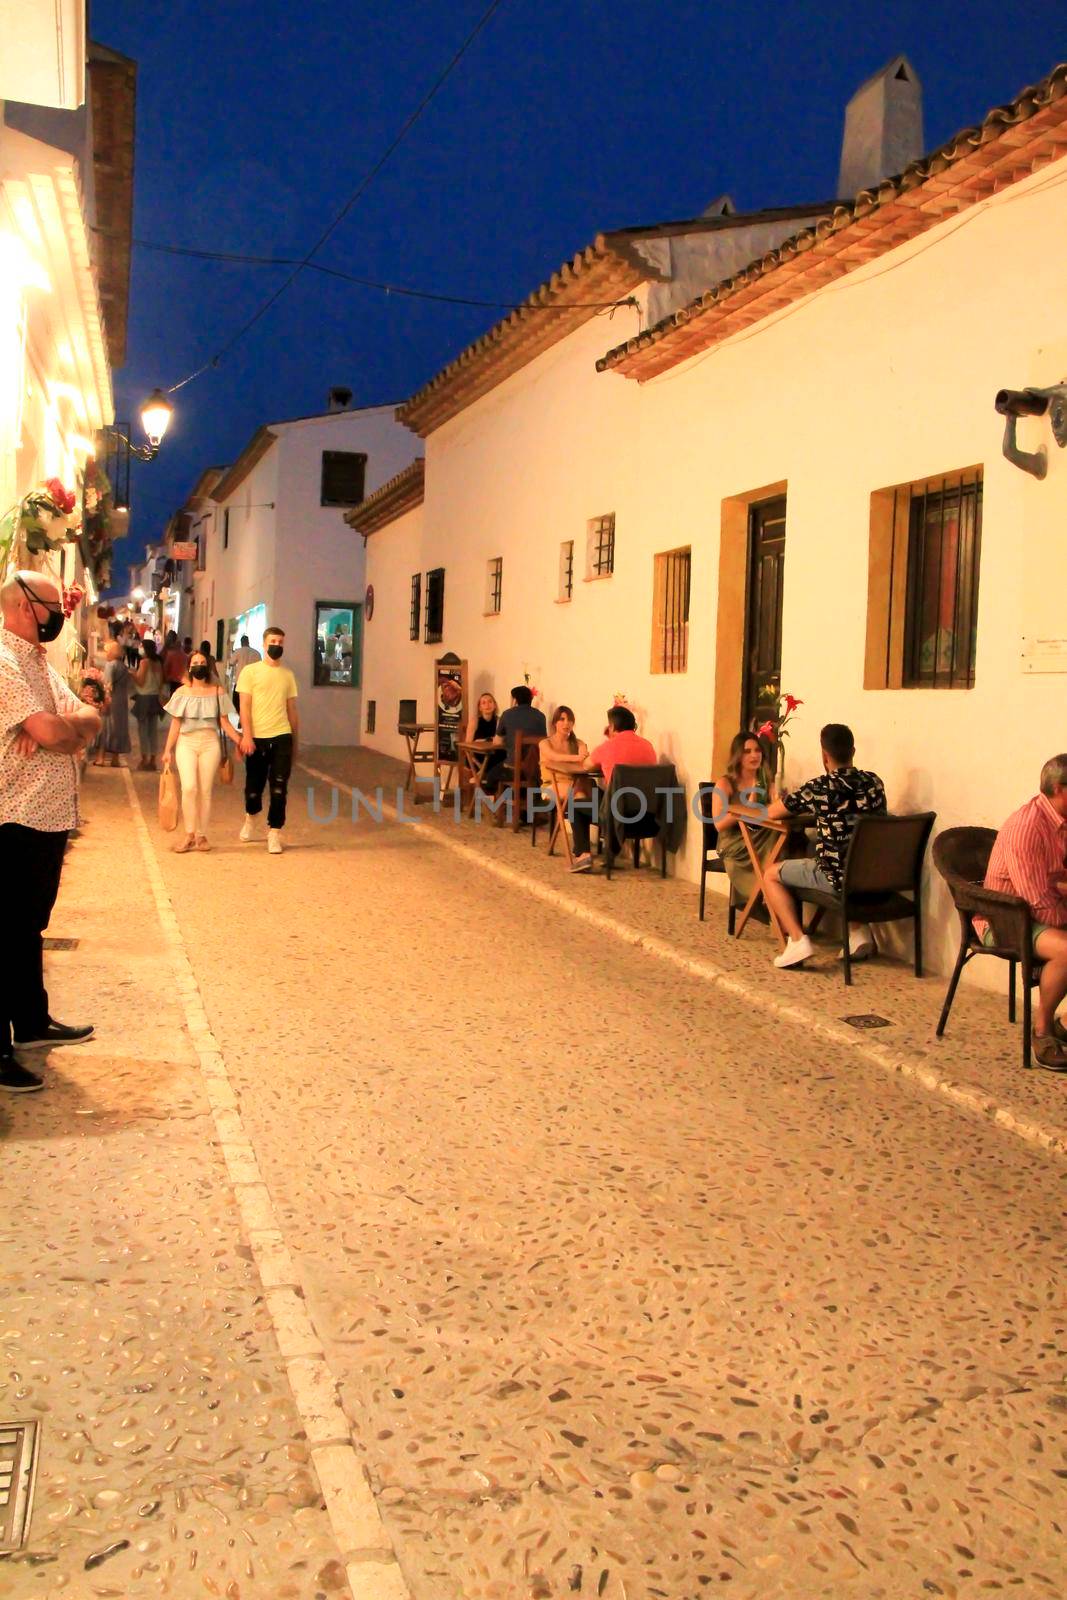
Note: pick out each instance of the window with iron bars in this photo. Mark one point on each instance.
(372, 713)
(494, 585)
(922, 620)
(600, 547)
(435, 605)
(670, 611)
(415, 613)
(566, 570)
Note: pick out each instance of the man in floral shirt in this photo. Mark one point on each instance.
(843, 794)
(43, 726)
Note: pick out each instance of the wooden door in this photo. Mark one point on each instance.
(762, 676)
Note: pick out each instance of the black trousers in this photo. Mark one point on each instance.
(30, 865)
(270, 763)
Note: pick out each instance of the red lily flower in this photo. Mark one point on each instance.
(766, 730)
(64, 499)
(791, 702)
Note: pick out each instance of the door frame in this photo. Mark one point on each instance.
(731, 613)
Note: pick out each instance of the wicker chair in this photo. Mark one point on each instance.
(961, 856)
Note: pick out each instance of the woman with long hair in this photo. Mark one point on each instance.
(202, 715)
(115, 736)
(148, 681)
(482, 726)
(563, 748)
(748, 784)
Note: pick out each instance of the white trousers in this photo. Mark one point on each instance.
(197, 757)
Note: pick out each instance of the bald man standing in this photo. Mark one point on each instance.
(43, 726)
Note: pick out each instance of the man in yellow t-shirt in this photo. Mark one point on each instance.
(269, 731)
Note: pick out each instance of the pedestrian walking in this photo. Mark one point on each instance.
(236, 662)
(200, 713)
(118, 681)
(269, 733)
(147, 705)
(43, 727)
(175, 662)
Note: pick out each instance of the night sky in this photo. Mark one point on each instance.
(255, 121)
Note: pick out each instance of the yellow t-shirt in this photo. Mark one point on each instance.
(270, 687)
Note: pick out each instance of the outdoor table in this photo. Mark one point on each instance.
(413, 732)
(560, 795)
(473, 759)
(783, 827)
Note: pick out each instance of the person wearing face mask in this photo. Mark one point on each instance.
(43, 729)
(269, 733)
(201, 714)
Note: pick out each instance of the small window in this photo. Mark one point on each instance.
(226, 529)
(566, 570)
(435, 605)
(925, 554)
(337, 644)
(406, 714)
(600, 547)
(372, 712)
(670, 611)
(201, 550)
(415, 614)
(343, 474)
(494, 585)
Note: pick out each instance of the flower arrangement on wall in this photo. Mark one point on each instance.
(97, 532)
(43, 520)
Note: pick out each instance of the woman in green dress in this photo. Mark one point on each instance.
(748, 783)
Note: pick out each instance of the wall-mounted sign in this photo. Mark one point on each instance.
(368, 602)
(184, 550)
(450, 708)
(1044, 655)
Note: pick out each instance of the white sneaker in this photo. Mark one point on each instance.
(274, 842)
(861, 945)
(796, 951)
(248, 832)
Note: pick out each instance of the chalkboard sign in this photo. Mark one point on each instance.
(450, 709)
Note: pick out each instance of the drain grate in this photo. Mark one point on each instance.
(60, 944)
(867, 1019)
(18, 1469)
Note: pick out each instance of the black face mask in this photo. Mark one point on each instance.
(198, 672)
(52, 626)
(275, 651)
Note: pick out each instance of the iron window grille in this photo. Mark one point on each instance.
(415, 613)
(435, 605)
(602, 546)
(941, 603)
(670, 625)
(566, 569)
(495, 584)
(226, 529)
(372, 712)
(343, 476)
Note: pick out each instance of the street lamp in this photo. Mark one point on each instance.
(156, 413)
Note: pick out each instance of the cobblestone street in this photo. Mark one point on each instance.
(620, 1283)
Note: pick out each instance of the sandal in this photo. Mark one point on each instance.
(183, 845)
(202, 844)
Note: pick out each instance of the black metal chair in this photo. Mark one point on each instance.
(710, 860)
(635, 807)
(961, 856)
(883, 866)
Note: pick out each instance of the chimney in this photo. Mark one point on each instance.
(339, 399)
(883, 128)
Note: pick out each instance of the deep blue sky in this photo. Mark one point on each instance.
(256, 120)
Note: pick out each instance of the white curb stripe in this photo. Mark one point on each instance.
(366, 1548)
(978, 1101)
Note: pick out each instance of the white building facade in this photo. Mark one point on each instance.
(273, 548)
(795, 483)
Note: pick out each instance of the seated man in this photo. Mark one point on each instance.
(522, 716)
(1028, 861)
(838, 798)
(623, 747)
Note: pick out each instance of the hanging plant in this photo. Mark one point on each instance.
(42, 520)
(98, 533)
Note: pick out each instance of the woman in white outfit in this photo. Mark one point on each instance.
(200, 713)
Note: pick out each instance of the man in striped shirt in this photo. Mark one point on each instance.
(1028, 861)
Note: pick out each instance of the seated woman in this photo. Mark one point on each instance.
(563, 748)
(747, 784)
(482, 727)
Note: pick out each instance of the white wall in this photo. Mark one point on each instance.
(886, 377)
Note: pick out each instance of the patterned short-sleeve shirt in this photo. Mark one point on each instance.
(38, 791)
(837, 799)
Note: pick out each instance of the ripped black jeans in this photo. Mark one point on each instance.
(270, 762)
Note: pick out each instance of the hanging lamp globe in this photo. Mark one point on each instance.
(156, 413)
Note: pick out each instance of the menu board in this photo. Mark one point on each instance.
(450, 708)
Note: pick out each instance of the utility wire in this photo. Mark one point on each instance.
(356, 194)
(374, 283)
